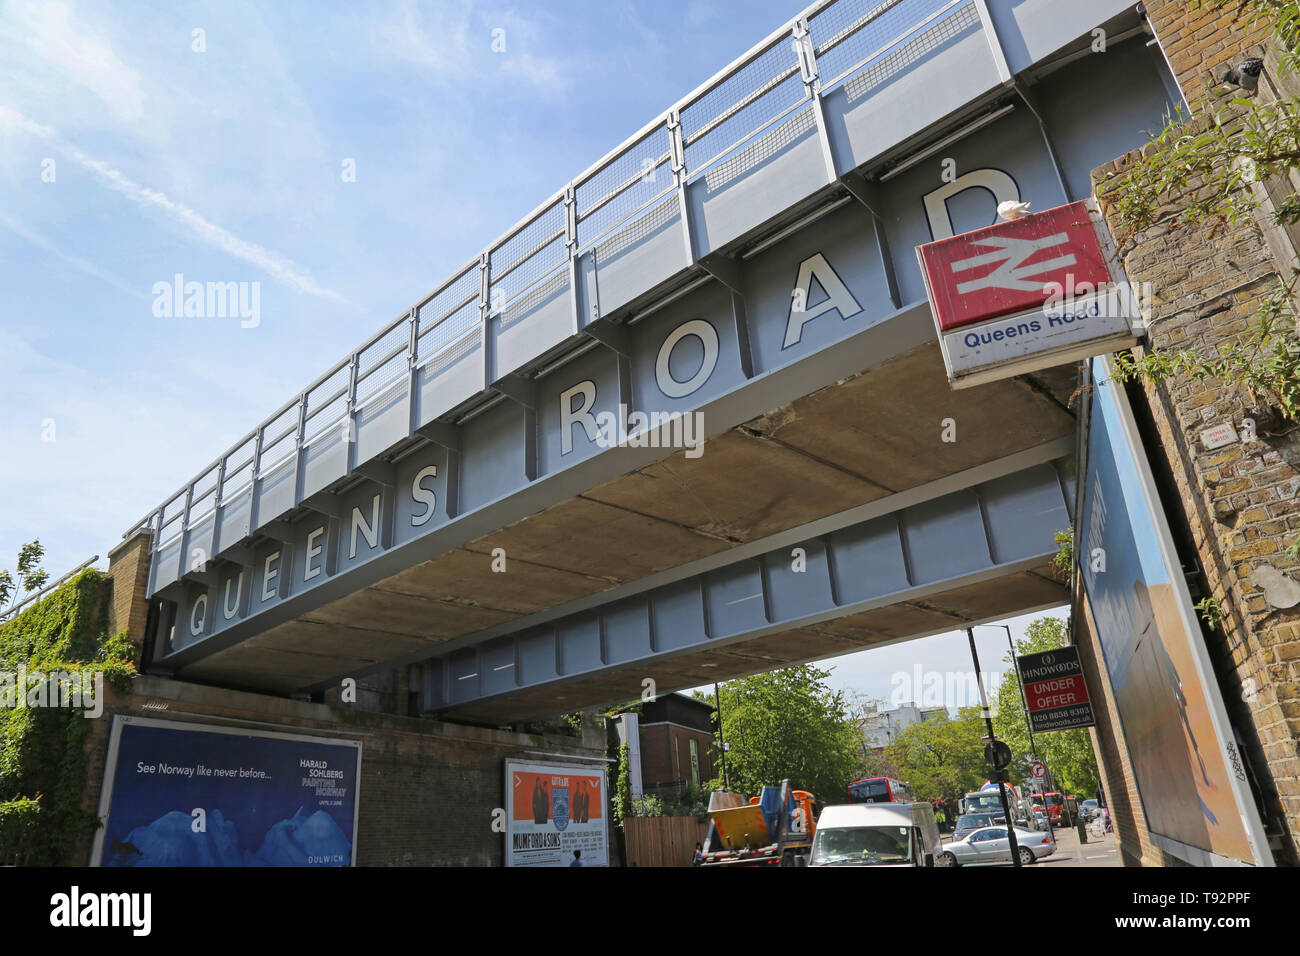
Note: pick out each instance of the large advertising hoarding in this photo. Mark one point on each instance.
(1190, 778)
(184, 794)
(552, 810)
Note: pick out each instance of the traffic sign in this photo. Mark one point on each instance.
(998, 754)
(1039, 771)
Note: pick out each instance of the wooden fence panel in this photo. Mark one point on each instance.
(663, 841)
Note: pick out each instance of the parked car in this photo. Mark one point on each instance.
(1040, 820)
(993, 845)
(1089, 809)
(968, 823)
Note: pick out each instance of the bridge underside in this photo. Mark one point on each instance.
(990, 600)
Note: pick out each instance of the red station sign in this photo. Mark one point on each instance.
(1027, 294)
(1004, 268)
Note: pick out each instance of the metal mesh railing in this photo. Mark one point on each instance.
(744, 103)
(624, 185)
(847, 34)
(940, 29)
(749, 112)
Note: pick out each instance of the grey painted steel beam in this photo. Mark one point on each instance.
(1000, 527)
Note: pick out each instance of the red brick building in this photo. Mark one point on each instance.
(676, 744)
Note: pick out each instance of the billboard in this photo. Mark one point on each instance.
(184, 794)
(552, 810)
(1190, 778)
(1026, 294)
(1055, 692)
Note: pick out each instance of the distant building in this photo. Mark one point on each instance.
(676, 744)
(881, 728)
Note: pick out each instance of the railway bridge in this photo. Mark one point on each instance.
(688, 419)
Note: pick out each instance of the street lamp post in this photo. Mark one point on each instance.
(997, 771)
(1029, 726)
(722, 742)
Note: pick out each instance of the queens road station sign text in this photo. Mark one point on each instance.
(1055, 692)
(1026, 294)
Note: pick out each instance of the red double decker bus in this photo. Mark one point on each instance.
(880, 790)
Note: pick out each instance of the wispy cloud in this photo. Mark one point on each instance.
(275, 265)
(36, 239)
(452, 41)
(48, 30)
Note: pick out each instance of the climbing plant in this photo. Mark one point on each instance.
(43, 748)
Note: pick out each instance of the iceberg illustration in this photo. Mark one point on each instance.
(171, 841)
(314, 840)
(302, 840)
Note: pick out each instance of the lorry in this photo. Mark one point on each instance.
(987, 800)
(1061, 810)
(877, 834)
(775, 828)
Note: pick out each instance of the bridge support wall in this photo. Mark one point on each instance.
(427, 790)
(1236, 505)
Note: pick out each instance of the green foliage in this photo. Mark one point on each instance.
(622, 798)
(42, 749)
(1063, 561)
(1265, 360)
(942, 758)
(1202, 169)
(1210, 612)
(788, 724)
(20, 831)
(573, 721)
(693, 802)
(30, 575)
(1067, 753)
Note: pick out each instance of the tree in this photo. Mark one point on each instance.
(788, 724)
(942, 758)
(1067, 753)
(30, 576)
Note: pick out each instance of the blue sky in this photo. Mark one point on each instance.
(128, 155)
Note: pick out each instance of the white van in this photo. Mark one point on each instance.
(876, 834)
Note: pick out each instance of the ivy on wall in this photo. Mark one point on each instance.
(43, 748)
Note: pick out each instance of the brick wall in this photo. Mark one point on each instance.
(427, 788)
(666, 755)
(1237, 501)
(128, 568)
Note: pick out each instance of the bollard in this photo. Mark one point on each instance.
(1083, 830)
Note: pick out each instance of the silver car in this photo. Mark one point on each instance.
(992, 845)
